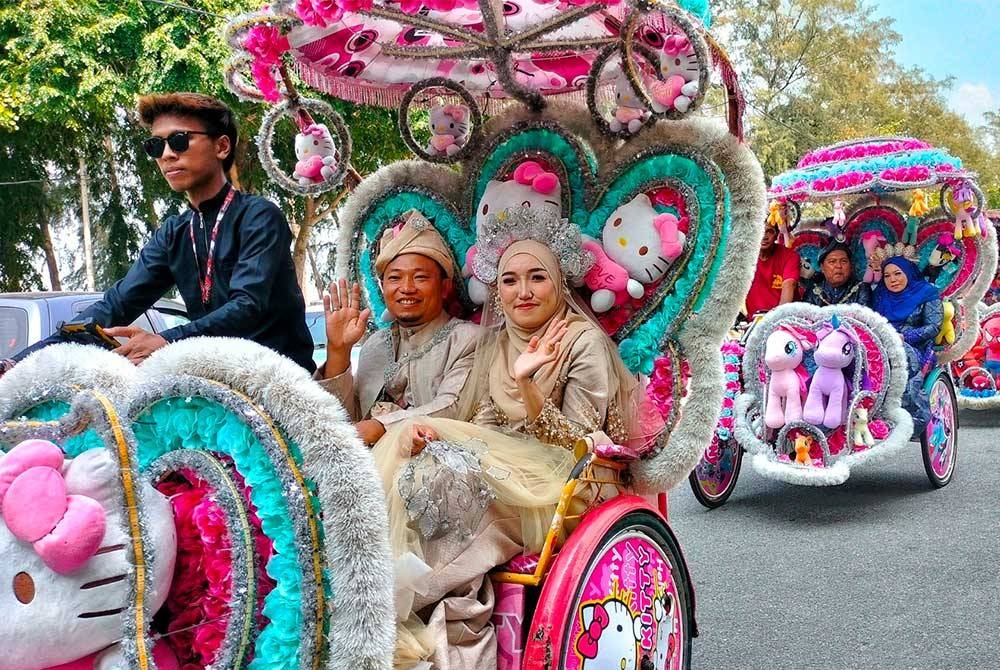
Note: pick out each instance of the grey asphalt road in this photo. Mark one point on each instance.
(881, 573)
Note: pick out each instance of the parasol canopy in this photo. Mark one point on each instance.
(875, 165)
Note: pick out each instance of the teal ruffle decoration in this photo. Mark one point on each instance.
(699, 8)
(203, 424)
(53, 410)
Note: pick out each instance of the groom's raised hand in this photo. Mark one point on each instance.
(346, 324)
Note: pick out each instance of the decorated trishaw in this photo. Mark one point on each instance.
(813, 391)
(243, 524)
(977, 372)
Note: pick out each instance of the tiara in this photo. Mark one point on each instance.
(883, 253)
(524, 223)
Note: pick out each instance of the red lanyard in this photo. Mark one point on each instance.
(206, 284)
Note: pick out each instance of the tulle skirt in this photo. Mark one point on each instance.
(464, 505)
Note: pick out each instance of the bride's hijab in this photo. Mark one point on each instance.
(513, 339)
(492, 377)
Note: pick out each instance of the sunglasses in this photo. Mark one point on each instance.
(178, 140)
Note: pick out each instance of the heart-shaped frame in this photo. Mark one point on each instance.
(877, 384)
(696, 168)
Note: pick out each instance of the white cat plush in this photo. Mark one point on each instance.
(640, 241)
(317, 154)
(529, 186)
(65, 571)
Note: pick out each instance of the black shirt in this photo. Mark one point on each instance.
(254, 296)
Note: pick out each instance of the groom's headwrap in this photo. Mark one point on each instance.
(416, 235)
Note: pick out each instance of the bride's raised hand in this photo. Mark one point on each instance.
(540, 350)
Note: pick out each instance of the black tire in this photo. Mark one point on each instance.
(719, 498)
(941, 476)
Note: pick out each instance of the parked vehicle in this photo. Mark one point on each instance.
(27, 318)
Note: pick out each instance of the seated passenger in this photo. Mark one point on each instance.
(776, 275)
(466, 497)
(417, 365)
(838, 285)
(913, 306)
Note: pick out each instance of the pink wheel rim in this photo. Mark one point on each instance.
(940, 431)
(629, 608)
(717, 468)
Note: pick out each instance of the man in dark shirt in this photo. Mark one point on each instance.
(228, 253)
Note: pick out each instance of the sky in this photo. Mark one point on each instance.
(952, 38)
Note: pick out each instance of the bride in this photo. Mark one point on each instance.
(465, 497)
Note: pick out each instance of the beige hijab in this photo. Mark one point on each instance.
(513, 340)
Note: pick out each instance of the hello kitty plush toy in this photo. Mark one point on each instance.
(681, 73)
(630, 112)
(639, 242)
(609, 637)
(449, 129)
(530, 185)
(317, 154)
(66, 557)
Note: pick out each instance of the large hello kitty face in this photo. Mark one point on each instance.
(502, 195)
(683, 64)
(315, 140)
(48, 618)
(617, 644)
(631, 240)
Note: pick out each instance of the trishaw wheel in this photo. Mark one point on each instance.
(713, 480)
(619, 595)
(939, 440)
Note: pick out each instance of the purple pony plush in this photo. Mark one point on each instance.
(827, 401)
(783, 357)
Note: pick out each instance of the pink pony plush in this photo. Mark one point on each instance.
(783, 353)
(870, 240)
(826, 404)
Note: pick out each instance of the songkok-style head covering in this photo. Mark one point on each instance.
(835, 245)
(416, 235)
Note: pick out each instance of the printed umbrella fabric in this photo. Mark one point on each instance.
(365, 55)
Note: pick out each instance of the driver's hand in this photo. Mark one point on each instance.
(140, 343)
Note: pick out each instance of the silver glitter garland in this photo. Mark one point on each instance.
(234, 652)
(311, 656)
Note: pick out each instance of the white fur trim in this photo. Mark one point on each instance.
(362, 624)
(61, 368)
(765, 461)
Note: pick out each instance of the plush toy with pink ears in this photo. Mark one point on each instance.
(827, 402)
(783, 353)
(65, 542)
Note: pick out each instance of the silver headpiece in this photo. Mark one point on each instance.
(524, 223)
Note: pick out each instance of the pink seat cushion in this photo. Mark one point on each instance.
(522, 564)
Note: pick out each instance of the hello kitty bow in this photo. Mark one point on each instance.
(587, 644)
(315, 130)
(525, 223)
(65, 529)
(457, 112)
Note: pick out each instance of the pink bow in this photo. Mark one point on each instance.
(676, 44)
(534, 175)
(587, 644)
(457, 112)
(66, 530)
(315, 130)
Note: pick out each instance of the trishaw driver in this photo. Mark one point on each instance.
(776, 276)
(418, 365)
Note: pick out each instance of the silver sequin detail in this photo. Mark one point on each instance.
(444, 489)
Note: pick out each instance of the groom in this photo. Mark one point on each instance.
(418, 365)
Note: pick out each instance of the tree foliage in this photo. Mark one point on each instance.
(823, 71)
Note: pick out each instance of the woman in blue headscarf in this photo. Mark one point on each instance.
(913, 306)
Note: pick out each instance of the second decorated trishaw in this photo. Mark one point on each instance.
(813, 391)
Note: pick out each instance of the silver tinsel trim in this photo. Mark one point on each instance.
(154, 391)
(241, 629)
(559, 235)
